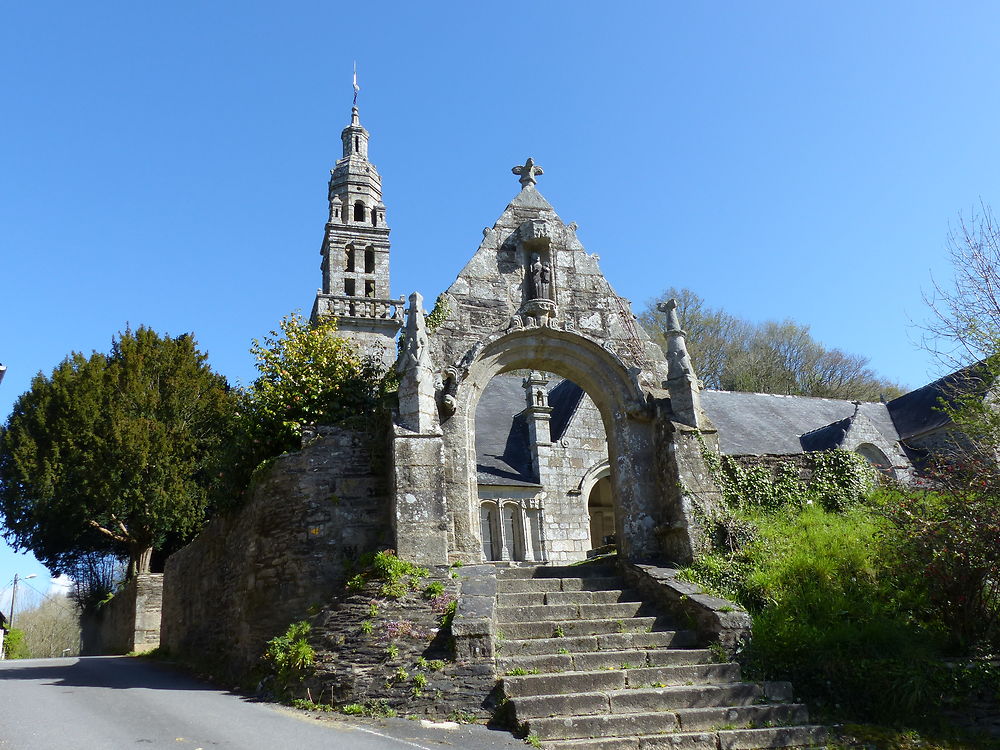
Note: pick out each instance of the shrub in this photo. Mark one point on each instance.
(948, 541)
(289, 657)
(14, 646)
(829, 613)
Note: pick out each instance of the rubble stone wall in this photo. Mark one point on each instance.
(130, 621)
(252, 572)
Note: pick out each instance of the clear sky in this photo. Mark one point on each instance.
(166, 164)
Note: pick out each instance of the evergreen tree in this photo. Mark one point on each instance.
(116, 453)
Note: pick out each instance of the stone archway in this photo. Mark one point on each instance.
(877, 458)
(624, 410)
(601, 510)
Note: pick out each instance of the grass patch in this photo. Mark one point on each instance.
(833, 613)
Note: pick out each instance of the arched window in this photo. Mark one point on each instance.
(374, 217)
(489, 527)
(357, 144)
(534, 517)
(349, 258)
(359, 211)
(349, 287)
(600, 506)
(370, 260)
(369, 288)
(513, 532)
(876, 458)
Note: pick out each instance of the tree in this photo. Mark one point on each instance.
(308, 375)
(964, 332)
(114, 454)
(730, 353)
(947, 531)
(52, 628)
(965, 324)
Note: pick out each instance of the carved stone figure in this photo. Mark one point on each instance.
(415, 348)
(541, 278)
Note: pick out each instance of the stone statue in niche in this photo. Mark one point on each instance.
(541, 278)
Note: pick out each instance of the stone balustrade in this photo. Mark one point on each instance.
(341, 306)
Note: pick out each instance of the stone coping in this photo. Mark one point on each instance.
(715, 620)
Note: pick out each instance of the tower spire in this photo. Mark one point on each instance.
(356, 250)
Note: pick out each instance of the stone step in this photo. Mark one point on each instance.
(698, 719)
(724, 739)
(588, 661)
(524, 630)
(534, 598)
(534, 585)
(556, 571)
(641, 700)
(664, 722)
(560, 612)
(680, 642)
(528, 585)
(561, 683)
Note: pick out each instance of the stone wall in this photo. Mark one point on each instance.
(804, 462)
(396, 653)
(688, 487)
(582, 447)
(130, 621)
(252, 572)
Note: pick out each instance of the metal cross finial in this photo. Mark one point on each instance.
(528, 172)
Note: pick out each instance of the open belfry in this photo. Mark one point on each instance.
(355, 252)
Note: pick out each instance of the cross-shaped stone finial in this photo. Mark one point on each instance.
(527, 172)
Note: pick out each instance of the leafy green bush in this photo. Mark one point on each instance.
(289, 657)
(950, 541)
(375, 708)
(399, 576)
(14, 646)
(434, 589)
(834, 612)
(307, 375)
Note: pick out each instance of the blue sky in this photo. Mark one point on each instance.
(166, 164)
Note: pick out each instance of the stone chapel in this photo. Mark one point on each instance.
(537, 421)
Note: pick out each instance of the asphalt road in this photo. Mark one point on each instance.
(114, 702)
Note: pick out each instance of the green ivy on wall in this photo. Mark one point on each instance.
(838, 480)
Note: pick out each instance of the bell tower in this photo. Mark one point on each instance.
(355, 252)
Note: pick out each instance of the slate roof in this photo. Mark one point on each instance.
(748, 423)
(503, 454)
(920, 411)
(761, 423)
(564, 398)
(502, 451)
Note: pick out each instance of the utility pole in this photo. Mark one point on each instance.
(13, 596)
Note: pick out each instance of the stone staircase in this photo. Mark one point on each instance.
(587, 665)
